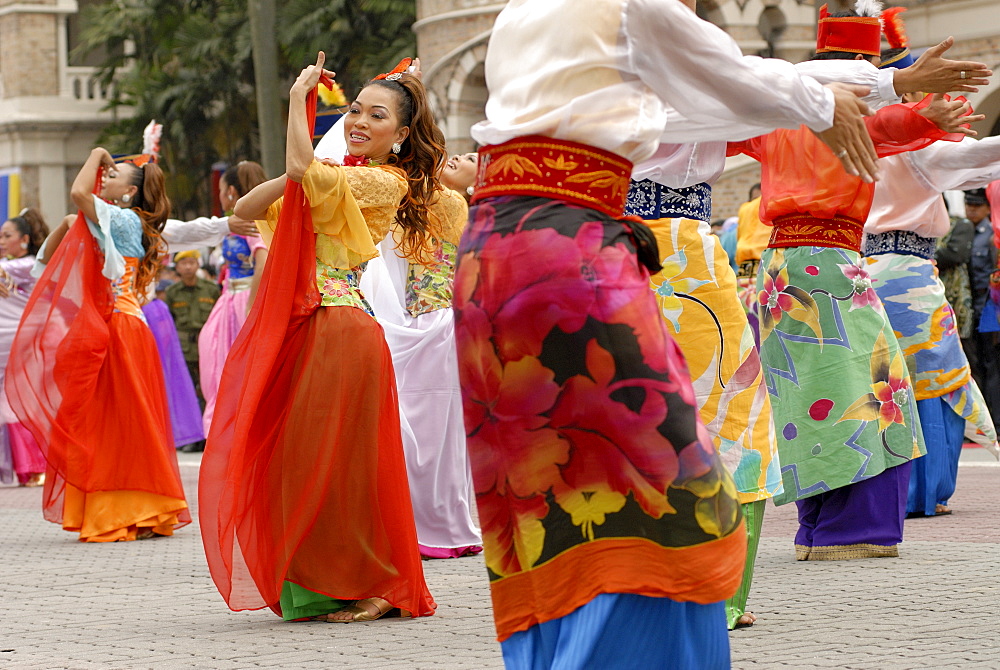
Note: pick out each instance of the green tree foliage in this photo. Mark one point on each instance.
(188, 64)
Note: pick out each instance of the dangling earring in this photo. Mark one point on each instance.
(24, 245)
(397, 147)
(126, 198)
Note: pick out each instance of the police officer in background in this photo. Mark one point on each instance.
(191, 300)
(985, 361)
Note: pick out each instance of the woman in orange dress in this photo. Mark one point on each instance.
(305, 506)
(84, 375)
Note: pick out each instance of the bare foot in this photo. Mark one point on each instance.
(941, 509)
(748, 619)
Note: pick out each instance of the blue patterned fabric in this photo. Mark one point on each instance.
(923, 321)
(126, 230)
(649, 200)
(899, 242)
(624, 630)
(239, 260)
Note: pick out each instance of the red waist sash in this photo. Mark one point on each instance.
(556, 169)
(803, 230)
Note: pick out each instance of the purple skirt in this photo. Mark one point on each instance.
(185, 414)
(862, 520)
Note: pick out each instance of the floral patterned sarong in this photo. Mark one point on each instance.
(697, 295)
(843, 406)
(592, 471)
(925, 326)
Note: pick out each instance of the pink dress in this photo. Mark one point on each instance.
(227, 317)
(19, 453)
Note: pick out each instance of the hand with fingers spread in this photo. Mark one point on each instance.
(932, 73)
(848, 137)
(309, 77)
(951, 116)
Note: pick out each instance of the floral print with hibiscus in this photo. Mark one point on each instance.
(579, 412)
(778, 298)
(843, 405)
(339, 287)
(864, 294)
(890, 389)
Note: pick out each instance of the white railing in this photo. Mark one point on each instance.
(79, 83)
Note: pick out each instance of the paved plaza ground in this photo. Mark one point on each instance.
(151, 604)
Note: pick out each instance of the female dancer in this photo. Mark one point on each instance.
(245, 257)
(845, 449)
(20, 238)
(412, 297)
(410, 293)
(459, 173)
(96, 403)
(304, 497)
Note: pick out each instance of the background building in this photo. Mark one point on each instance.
(452, 37)
(50, 109)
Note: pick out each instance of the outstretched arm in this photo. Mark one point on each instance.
(701, 72)
(82, 191)
(54, 239)
(299, 151)
(254, 204)
(932, 73)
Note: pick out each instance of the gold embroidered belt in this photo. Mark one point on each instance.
(556, 169)
(802, 230)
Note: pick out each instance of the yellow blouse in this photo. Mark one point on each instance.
(352, 209)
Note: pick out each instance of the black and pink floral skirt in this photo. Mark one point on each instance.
(593, 472)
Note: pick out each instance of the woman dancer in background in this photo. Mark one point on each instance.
(412, 301)
(106, 436)
(20, 238)
(245, 258)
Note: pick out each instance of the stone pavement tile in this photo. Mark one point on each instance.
(152, 604)
(931, 608)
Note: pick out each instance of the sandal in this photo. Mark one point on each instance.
(941, 510)
(359, 613)
(37, 479)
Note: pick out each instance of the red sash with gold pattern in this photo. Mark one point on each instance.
(802, 230)
(556, 169)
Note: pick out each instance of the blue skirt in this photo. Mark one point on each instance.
(624, 630)
(934, 476)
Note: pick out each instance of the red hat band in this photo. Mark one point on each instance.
(854, 34)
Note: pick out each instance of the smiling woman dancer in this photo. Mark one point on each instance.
(305, 506)
(96, 402)
(410, 292)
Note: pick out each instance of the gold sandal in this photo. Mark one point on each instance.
(360, 613)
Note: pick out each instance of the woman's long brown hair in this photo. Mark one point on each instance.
(421, 157)
(153, 207)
